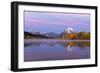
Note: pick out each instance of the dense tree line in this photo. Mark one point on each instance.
(79, 35)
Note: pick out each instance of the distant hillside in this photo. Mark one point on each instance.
(31, 35)
(51, 34)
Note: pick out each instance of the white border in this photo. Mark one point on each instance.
(22, 64)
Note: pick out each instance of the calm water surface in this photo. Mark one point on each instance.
(41, 50)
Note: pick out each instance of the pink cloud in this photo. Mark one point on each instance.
(52, 23)
(58, 21)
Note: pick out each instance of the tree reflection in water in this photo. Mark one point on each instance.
(65, 44)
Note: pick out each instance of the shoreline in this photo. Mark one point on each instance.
(52, 40)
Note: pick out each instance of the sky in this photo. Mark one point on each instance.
(55, 21)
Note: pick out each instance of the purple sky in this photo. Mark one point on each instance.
(56, 22)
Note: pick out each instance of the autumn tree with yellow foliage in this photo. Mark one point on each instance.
(80, 35)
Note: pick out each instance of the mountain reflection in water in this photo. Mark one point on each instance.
(55, 50)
